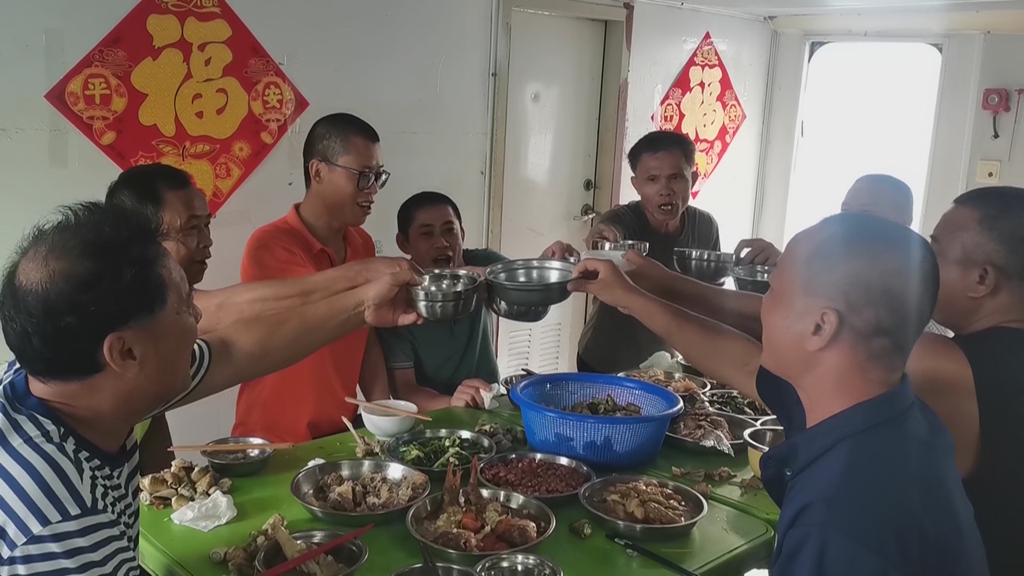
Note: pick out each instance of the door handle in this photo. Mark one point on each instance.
(587, 212)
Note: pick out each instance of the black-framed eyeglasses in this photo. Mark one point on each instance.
(365, 179)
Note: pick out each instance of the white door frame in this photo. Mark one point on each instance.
(611, 126)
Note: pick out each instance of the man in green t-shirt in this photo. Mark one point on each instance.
(444, 363)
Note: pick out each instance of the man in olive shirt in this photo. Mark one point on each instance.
(443, 363)
(663, 165)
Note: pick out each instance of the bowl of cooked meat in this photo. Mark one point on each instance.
(465, 526)
(432, 451)
(643, 508)
(357, 492)
(677, 382)
(546, 477)
(343, 560)
(709, 432)
(732, 402)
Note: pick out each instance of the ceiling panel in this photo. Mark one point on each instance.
(801, 7)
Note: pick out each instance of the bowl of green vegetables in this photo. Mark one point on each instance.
(431, 451)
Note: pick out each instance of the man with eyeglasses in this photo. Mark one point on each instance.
(343, 171)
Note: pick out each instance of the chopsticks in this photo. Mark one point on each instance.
(388, 409)
(307, 556)
(231, 447)
(650, 555)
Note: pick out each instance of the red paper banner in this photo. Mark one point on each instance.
(702, 104)
(185, 83)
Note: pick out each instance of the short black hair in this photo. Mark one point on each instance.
(663, 141)
(329, 136)
(143, 187)
(90, 270)
(883, 278)
(1000, 211)
(413, 204)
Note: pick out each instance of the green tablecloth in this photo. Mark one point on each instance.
(725, 542)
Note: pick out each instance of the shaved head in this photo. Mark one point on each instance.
(883, 196)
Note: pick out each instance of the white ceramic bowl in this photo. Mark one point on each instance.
(385, 425)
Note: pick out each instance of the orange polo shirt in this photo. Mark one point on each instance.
(306, 400)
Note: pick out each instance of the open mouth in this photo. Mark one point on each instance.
(366, 206)
(668, 207)
(443, 261)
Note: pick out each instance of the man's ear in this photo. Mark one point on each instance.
(462, 230)
(824, 330)
(403, 244)
(120, 353)
(316, 171)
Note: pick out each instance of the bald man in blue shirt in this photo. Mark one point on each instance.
(866, 477)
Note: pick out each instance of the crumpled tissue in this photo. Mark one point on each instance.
(662, 361)
(208, 514)
(314, 462)
(488, 396)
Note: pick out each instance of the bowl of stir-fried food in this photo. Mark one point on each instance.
(466, 525)
(677, 382)
(343, 560)
(732, 402)
(357, 492)
(708, 432)
(432, 451)
(643, 508)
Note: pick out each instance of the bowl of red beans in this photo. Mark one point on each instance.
(549, 478)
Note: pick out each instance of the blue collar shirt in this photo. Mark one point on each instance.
(872, 490)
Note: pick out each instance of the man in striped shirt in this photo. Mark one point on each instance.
(103, 325)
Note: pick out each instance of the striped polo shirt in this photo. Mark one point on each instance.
(68, 507)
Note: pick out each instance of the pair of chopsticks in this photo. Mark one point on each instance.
(307, 556)
(231, 447)
(650, 555)
(388, 409)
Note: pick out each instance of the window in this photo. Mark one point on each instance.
(868, 107)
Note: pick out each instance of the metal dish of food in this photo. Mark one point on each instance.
(677, 382)
(431, 451)
(357, 492)
(346, 558)
(693, 432)
(709, 266)
(439, 570)
(551, 479)
(445, 294)
(517, 565)
(466, 526)
(752, 277)
(613, 500)
(732, 402)
(242, 463)
(759, 440)
(620, 246)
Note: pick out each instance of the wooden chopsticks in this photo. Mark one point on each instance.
(231, 447)
(388, 409)
(307, 556)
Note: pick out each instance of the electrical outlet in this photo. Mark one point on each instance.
(988, 172)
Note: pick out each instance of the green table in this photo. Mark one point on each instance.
(725, 542)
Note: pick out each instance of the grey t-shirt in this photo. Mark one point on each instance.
(444, 353)
(613, 341)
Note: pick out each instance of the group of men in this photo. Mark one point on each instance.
(892, 435)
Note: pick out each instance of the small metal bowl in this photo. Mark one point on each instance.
(442, 570)
(590, 492)
(308, 478)
(514, 312)
(223, 464)
(712, 394)
(351, 554)
(759, 440)
(531, 507)
(752, 277)
(391, 449)
(737, 426)
(531, 282)
(708, 266)
(549, 499)
(620, 246)
(772, 421)
(445, 294)
(702, 384)
(517, 565)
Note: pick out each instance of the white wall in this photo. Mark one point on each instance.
(1000, 68)
(418, 71)
(663, 39)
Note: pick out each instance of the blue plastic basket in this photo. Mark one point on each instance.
(608, 442)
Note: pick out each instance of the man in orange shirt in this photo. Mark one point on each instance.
(343, 172)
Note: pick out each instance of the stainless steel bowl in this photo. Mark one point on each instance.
(551, 499)
(752, 277)
(517, 565)
(620, 246)
(695, 501)
(737, 426)
(445, 294)
(514, 312)
(442, 570)
(703, 385)
(763, 438)
(705, 265)
(531, 282)
(255, 459)
(530, 507)
(351, 554)
(307, 480)
(486, 447)
(508, 382)
(772, 421)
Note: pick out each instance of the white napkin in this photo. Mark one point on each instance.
(488, 397)
(314, 462)
(208, 514)
(662, 361)
(614, 255)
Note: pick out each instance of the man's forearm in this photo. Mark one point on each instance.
(740, 310)
(715, 349)
(425, 398)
